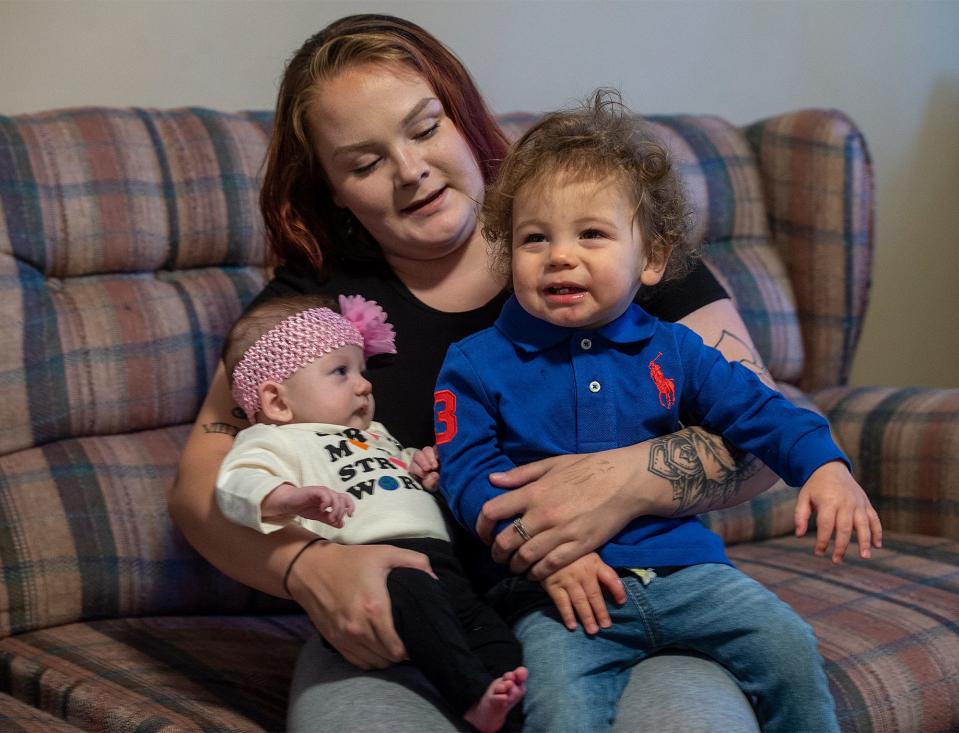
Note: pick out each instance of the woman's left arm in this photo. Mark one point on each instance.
(684, 473)
(737, 476)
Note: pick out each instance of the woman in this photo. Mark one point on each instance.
(381, 149)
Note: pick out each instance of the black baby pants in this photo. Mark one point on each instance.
(459, 643)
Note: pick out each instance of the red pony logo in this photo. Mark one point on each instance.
(665, 385)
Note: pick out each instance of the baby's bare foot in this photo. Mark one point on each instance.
(489, 712)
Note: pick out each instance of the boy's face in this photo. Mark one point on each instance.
(332, 389)
(578, 255)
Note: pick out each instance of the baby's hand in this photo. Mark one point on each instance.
(425, 467)
(310, 502)
(840, 505)
(576, 591)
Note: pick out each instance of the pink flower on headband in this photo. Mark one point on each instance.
(303, 338)
(370, 320)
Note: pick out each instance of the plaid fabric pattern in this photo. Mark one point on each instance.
(18, 717)
(904, 444)
(818, 184)
(97, 190)
(111, 353)
(154, 674)
(876, 622)
(888, 628)
(85, 534)
(163, 201)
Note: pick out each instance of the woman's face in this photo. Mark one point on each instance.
(395, 160)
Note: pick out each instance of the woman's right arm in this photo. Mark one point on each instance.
(342, 588)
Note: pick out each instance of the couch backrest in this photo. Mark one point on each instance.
(818, 189)
(129, 242)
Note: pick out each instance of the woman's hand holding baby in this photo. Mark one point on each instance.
(577, 591)
(343, 590)
(310, 502)
(841, 506)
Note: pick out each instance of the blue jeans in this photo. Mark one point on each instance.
(575, 680)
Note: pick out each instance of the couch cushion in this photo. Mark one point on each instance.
(129, 241)
(904, 444)
(157, 674)
(105, 354)
(888, 627)
(93, 190)
(18, 717)
(721, 177)
(85, 534)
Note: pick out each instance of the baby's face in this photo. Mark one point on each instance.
(578, 255)
(332, 389)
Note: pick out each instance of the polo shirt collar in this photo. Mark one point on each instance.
(532, 334)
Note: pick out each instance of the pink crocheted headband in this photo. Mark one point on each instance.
(306, 336)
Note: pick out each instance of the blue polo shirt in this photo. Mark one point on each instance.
(526, 389)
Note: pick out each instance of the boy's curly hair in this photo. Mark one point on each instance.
(598, 139)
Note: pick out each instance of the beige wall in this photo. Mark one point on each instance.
(893, 66)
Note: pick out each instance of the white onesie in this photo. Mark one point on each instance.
(370, 465)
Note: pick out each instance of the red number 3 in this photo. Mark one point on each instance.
(446, 417)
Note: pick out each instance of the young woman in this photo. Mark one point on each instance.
(381, 149)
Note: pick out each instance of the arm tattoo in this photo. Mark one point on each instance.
(221, 427)
(735, 349)
(224, 427)
(703, 469)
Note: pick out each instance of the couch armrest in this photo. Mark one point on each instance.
(817, 184)
(904, 445)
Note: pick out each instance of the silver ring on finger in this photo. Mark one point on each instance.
(521, 529)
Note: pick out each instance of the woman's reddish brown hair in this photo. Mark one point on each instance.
(302, 222)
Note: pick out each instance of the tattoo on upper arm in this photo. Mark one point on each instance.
(735, 349)
(221, 427)
(704, 471)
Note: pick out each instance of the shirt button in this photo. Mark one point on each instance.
(586, 344)
(595, 386)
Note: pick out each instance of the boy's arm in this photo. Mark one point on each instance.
(841, 505)
(727, 398)
(725, 477)
(467, 441)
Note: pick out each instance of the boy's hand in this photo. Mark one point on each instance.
(576, 591)
(425, 467)
(310, 502)
(841, 506)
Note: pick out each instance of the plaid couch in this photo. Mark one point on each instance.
(130, 240)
